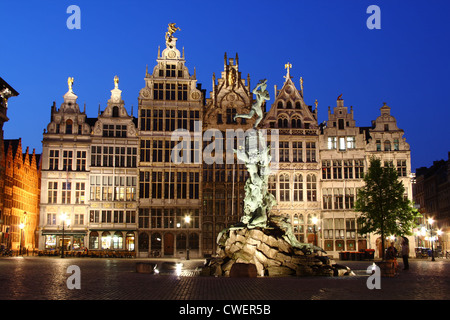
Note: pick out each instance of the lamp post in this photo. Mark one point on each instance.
(187, 220)
(21, 226)
(431, 221)
(63, 219)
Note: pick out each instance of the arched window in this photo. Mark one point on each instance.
(289, 105)
(117, 240)
(298, 187)
(311, 188)
(69, 125)
(296, 123)
(283, 122)
(143, 241)
(115, 112)
(298, 105)
(129, 241)
(156, 241)
(106, 240)
(280, 105)
(284, 187)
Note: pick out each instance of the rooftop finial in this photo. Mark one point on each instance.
(70, 83)
(288, 66)
(116, 82)
(170, 31)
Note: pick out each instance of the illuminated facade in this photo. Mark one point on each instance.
(128, 184)
(168, 193)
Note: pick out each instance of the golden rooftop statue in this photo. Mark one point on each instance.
(288, 66)
(170, 31)
(70, 83)
(116, 82)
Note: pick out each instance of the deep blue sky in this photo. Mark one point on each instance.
(405, 64)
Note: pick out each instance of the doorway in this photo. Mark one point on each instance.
(168, 244)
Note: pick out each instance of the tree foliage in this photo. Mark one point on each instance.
(382, 203)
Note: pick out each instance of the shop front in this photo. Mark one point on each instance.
(54, 240)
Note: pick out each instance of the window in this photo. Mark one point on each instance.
(96, 156)
(67, 160)
(338, 199)
(341, 124)
(339, 228)
(145, 119)
(119, 188)
(157, 151)
(332, 143)
(66, 192)
(170, 120)
(106, 216)
(342, 144)
(181, 185)
(297, 155)
(94, 216)
(311, 188)
(284, 151)
(298, 187)
(130, 191)
(283, 122)
(108, 156)
(328, 228)
(53, 160)
(378, 143)
(296, 123)
(120, 157)
(115, 112)
(158, 91)
(387, 145)
(131, 157)
(170, 91)
(144, 184)
(359, 168)
(158, 120)
(170, 70)
(108, 130)
(107, 188)
(273, 185)
(348, 169)
(230, 115)
(401, 168)
(121, 131)
(182, 119)
(81, 160)
(284, 187)
(156, 185)
(310, 152)
(118, 216)
(182, 92)
(327, 198)
(78, 219)
(337, 169)
(79, 192)
(144, 218)
(349, 198)
(52, 192)
(396, 145)
(351, 143)
(326, 169)
(194, 185)
(51, 218)
(96, 188)
(145, 150)
(130, 217)
(69, 126)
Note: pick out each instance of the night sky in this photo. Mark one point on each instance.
(405, 63)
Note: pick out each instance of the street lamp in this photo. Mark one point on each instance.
(187, 220)
(64, 219)
(21, 226)
(431, 221)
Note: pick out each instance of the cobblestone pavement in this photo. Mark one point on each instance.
(45, 278)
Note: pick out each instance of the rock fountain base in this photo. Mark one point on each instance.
(261, 252)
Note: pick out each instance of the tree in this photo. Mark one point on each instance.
(382, 203)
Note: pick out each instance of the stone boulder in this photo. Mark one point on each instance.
(267, 252)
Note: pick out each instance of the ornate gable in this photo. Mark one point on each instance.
(289, 109)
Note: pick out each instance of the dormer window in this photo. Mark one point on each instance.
(170, 70)
(115, 112)
(69, 125)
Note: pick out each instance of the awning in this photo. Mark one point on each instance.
(66, 232)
